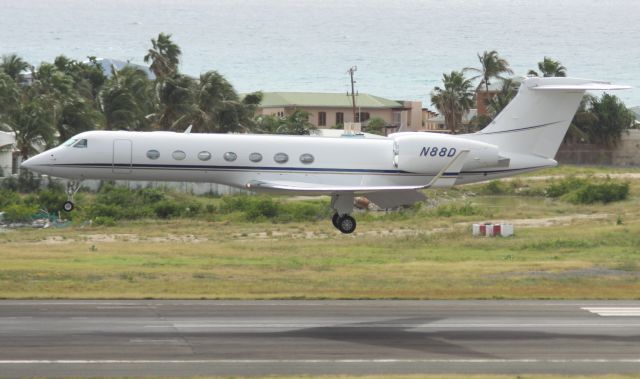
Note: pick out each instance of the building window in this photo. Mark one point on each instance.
(281, 158)
(306, 158)
(339, 118)
(204, 155)
(362, 116)
(153, 154)
(397, 118)
(178, 155)
(230, 156)
(280, 114)
(255, 157)
(322, 118)
(81, 144)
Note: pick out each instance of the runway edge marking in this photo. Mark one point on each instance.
(296, 361)
(614, 311)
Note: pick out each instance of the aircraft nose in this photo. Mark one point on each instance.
(40, 163)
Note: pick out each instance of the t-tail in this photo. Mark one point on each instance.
(536, 120)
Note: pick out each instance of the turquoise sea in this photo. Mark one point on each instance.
(401, 47)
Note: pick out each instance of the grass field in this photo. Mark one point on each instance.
(560, 251)
(446, 377)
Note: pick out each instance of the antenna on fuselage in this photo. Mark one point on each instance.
(188, 131)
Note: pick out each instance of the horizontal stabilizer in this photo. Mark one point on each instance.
(593, 86)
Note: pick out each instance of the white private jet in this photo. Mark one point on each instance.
(389, 171)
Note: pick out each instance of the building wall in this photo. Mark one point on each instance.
(627, 153)
(6, 162)
(385, 114)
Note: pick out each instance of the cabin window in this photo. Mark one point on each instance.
(178, 155)
(306, 158)
(81, 144)
(230, 156)
(204, 155)
(322, 119)
(70, 142)
(255, 157)
(153, 154)
(281, 158)
(339, 118)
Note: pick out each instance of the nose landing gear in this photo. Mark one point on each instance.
(72, 188)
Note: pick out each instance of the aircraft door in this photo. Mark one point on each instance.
(122, 156)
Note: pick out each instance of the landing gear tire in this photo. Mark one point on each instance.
(68, 206)
(72, 188)
(335, 219)
(346, 224)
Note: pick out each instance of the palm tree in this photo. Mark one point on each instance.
(454, 100)
(71, 111)
(127, 100)
(13, 66)
(491, 66)
(549, 68)
(176, 102)
(297, 123)
(501, 99)
(219, 108)
(164, 56)
(25, 113)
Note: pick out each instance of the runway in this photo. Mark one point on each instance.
(155, 338)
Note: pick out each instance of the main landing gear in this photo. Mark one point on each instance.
(72, 188)
(345, 223)
(342, 220)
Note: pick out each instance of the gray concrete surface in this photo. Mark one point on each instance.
(61, 338)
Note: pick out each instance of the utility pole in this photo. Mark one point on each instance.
(353, 93)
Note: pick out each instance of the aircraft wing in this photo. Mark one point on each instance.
(445, 178)
(283, 185)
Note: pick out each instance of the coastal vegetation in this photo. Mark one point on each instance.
(598, 120)
(45, 105)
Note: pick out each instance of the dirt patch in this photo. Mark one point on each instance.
(110, 238)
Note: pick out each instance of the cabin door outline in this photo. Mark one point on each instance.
(122, 156)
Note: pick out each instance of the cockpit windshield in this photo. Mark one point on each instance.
(70, 142)
(81, 144)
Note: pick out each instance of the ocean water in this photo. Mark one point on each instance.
(401, 47)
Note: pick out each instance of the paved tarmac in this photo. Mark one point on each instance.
(81, 338)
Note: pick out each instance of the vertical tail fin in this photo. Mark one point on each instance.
(537, 119)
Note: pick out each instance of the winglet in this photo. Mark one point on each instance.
(449, 174)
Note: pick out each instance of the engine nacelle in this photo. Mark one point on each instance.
(425, 153)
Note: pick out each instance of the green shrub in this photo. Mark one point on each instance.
(51, 200)
(494, 187)
(232, 204)
(449, 210)
(606, 192)
(588, 191)
(18, 213)
(152, 195)
(166, 209)
(564, 186)
(10, 184)
(260, 208)
(8, 197)
(104, 221)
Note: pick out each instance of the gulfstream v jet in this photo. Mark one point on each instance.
(389, 171)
